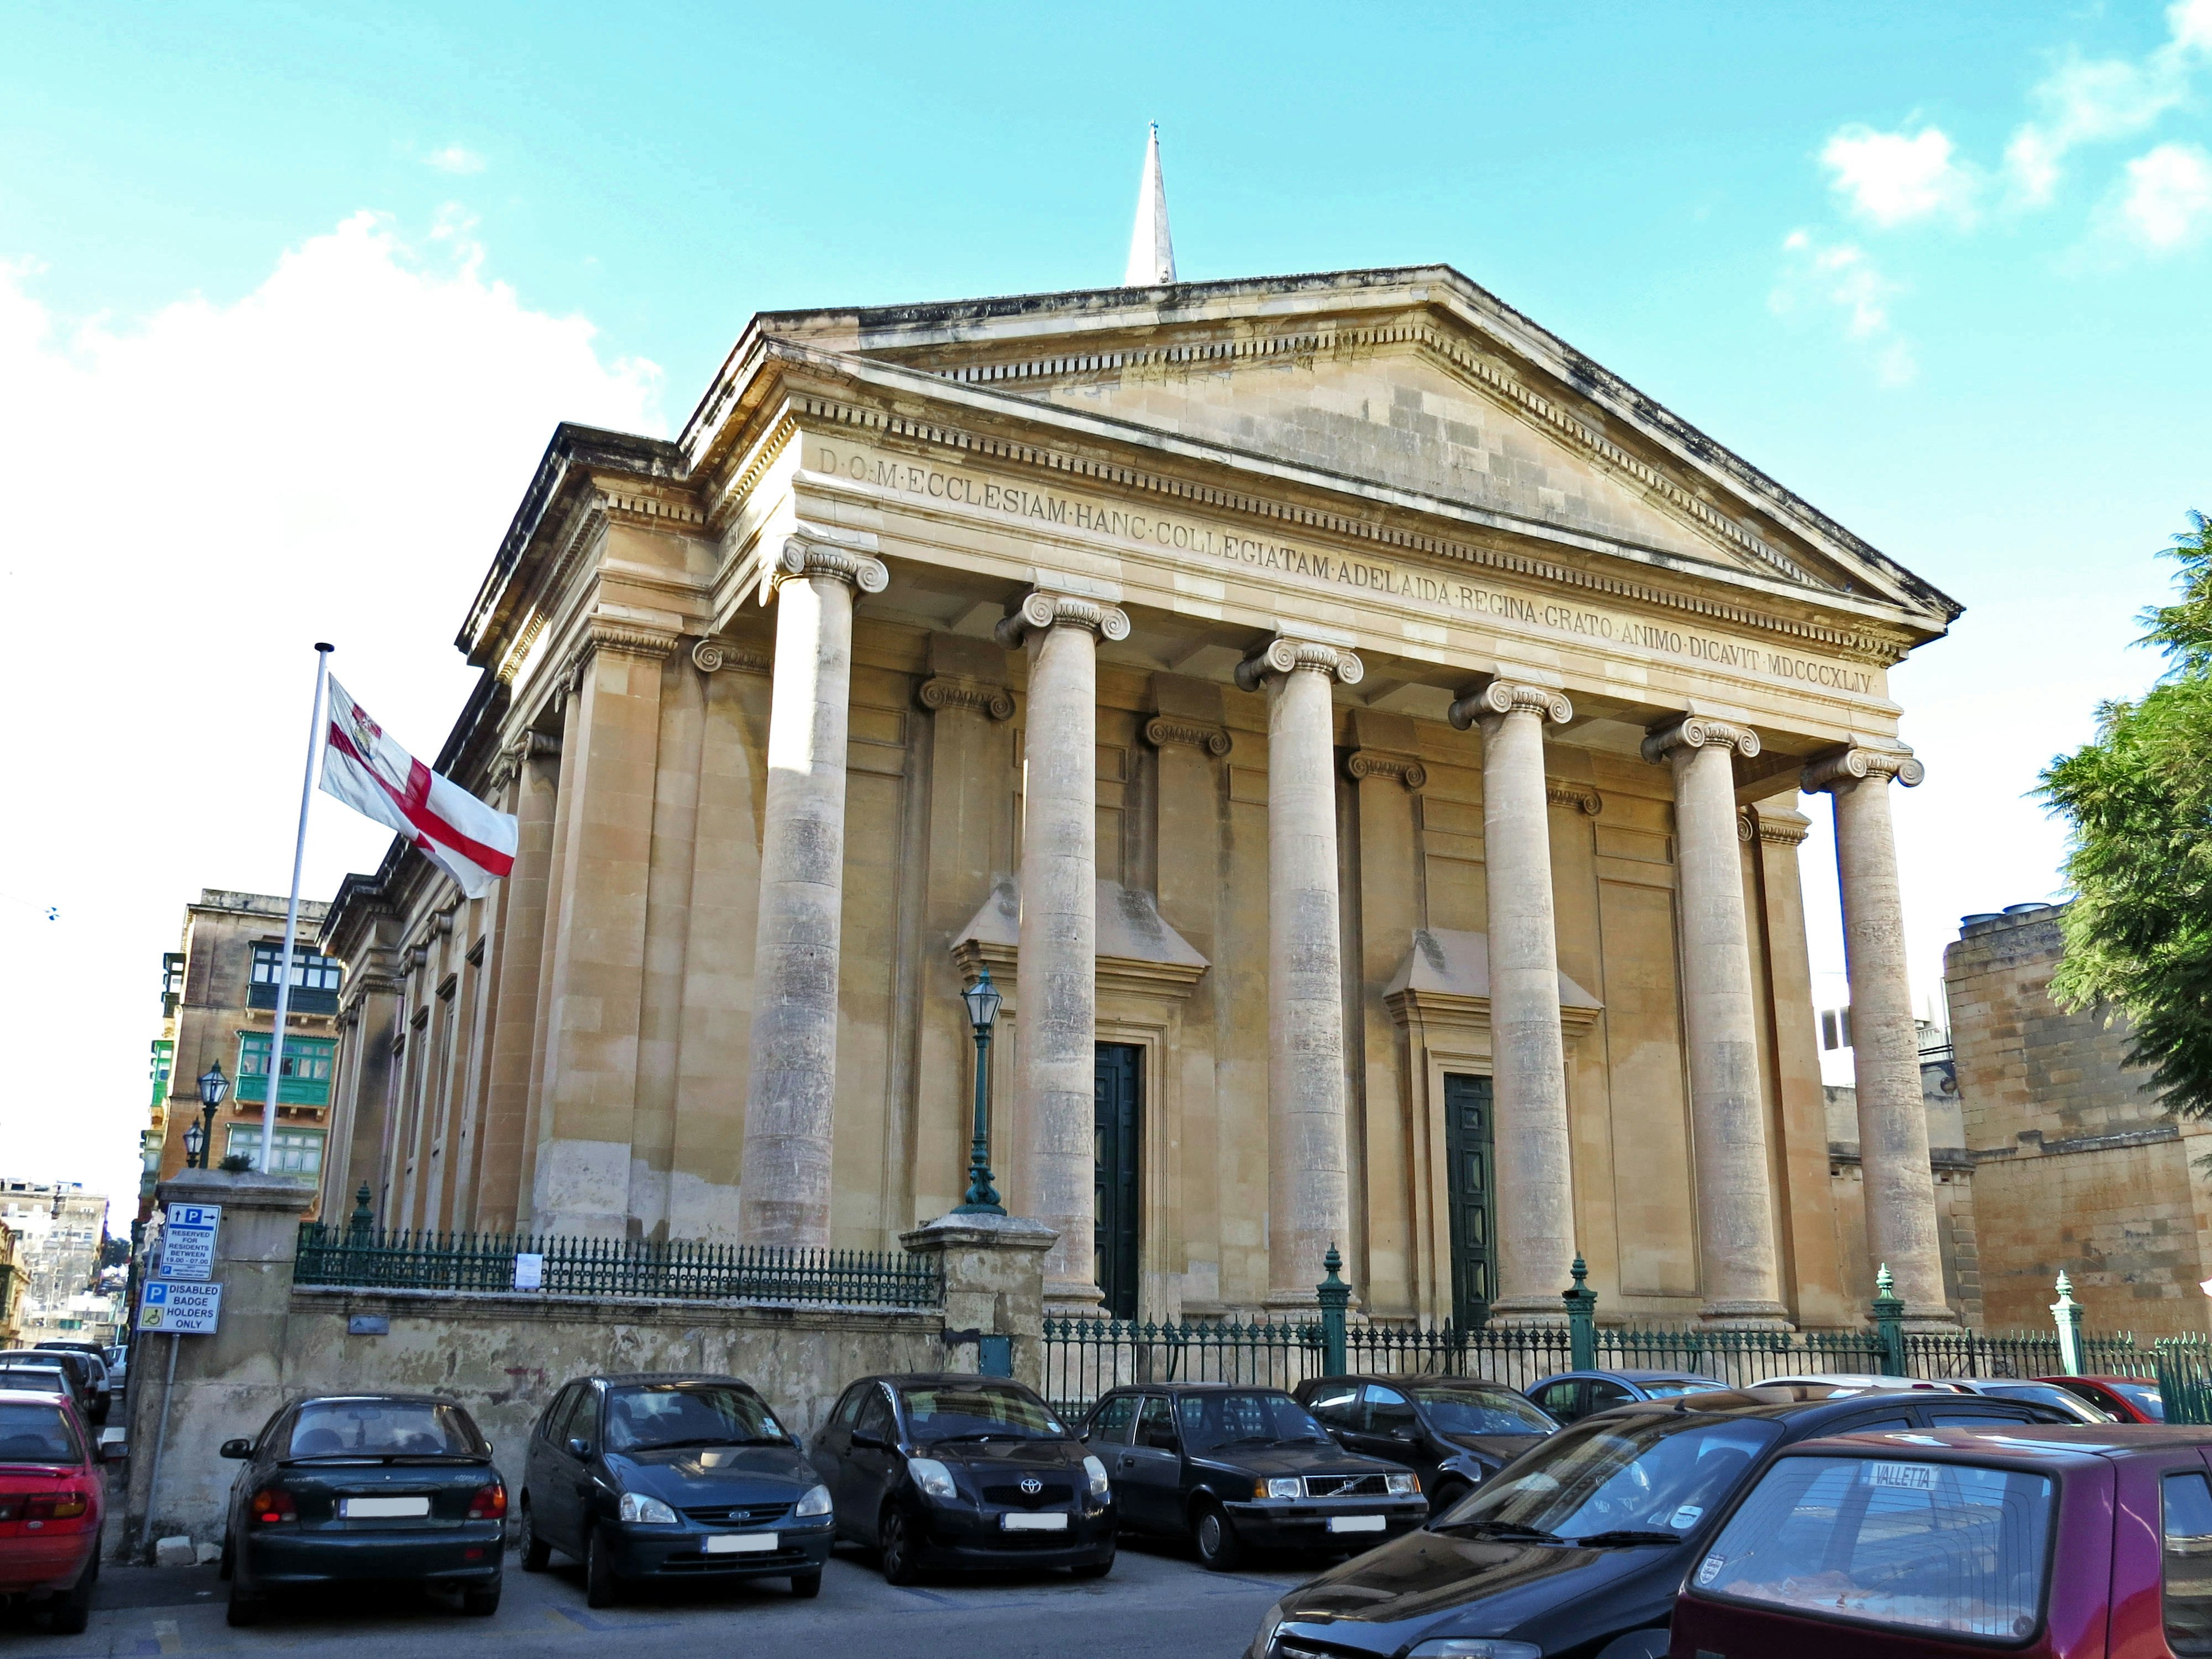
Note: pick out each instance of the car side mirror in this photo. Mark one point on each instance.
(489, 1448)
(111, 1451)
(235, 1448)
(862, 1439)
(1407, 1431)
(579, 1447)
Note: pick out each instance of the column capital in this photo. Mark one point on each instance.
(1163, 729)
(1511, 696)
(1287, 653)
(1776, 829)
(1855, 763)
(712, 656)
(1042, 609)
(805, 555)
(943, 691)
(1381, 763)
(1698, 731)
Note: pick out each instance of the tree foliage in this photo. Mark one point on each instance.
(2138, 801)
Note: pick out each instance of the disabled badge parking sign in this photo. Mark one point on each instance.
(181, 1307)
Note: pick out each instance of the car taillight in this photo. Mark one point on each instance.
(273, 1503)
(488, 1503)
(57, 1506)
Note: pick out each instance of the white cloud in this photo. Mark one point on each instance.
(455, 158)
(2094, 101)
(1891, 180)
(194, 500)
(2166, 202)
(1841, 275)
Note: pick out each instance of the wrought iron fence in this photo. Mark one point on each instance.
(2184, 1367)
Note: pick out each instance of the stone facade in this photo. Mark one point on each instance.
(2076, 1166)
(1372, 726)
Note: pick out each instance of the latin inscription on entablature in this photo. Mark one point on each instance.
(1417, 595)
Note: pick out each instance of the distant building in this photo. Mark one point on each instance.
(2075, 1164)
(12, 1270)
(59, 1229)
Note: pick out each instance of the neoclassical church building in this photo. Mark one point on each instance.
(1367, 742)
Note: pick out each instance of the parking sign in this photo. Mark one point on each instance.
(188, 1241)
(181, 1306)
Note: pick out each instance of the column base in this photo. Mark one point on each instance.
(1745, 1316)
(1515, 1313)
(1284, 1305)
(1067, 1296)
(1920, 1320)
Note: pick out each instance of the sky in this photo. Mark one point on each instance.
(291, 299)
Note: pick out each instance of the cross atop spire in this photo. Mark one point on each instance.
(1151, 250)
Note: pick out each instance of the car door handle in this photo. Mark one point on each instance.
(1127, 1462)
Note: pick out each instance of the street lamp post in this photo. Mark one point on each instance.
(214, 1085)
(983, 1000)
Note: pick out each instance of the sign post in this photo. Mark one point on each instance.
(183, 1301)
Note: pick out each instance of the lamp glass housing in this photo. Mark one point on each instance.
(195, 1143)
(214, 1085)
(983, 1000)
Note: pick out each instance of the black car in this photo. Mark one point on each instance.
(345, 1487)
(87, 1378)
(1578, 1546)
(1453, 1432)
(666, 1477)
(960, 1471)
(1234, 1467)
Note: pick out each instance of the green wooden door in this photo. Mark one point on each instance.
(1469, 1160)
(1119, 1102)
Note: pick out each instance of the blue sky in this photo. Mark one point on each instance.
(289, 299)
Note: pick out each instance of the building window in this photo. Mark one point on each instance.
(173, 980)
(299, 1152)
(315, 979)
(1835, 1028)
(165, 1055)
(307, 1080)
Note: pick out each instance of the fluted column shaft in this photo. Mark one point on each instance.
(1534, 1184)
(1055, 1168)
(1308, 1181)
(785, 1185)
(1900, 1190)
(1735, 1203)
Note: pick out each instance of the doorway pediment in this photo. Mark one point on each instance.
(1444, 979)
(1137, 950)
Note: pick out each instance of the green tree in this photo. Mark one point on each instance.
(2138, 801)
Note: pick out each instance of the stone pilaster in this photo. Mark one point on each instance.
(784, 1196)
(1055, 1176)
(1735, 1202)
(1309, 1182)
(1536, 1217)
(1900, 1192)
(536, 760)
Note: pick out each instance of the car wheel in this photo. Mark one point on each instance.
(806, 1585)
(895, 1546)
(482, 1601)
(243, 1609)
(1097, 1569)
(534, 1550)
(227, 1567)
(1218, 1547)
(603, 1586)
(71, 1612)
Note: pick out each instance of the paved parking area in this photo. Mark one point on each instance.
(1158, 1601)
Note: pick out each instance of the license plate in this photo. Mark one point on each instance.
(381, 1509)
(1054, 1521)
(1355, 1523)
(741, 1543)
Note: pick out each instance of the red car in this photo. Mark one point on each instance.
(2130, 1399)
(51, 1502)
(2077, 1542)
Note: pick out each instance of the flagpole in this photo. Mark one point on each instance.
(292, 919)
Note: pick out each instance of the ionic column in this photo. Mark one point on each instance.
(1057, 970)
(1900, 1192)
(1534, 1184)
(1308, 1189)
(1736, 1205)
(784, 1187)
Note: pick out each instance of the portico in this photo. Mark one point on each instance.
(1359, 734)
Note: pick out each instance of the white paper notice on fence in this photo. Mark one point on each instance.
(530, 1272)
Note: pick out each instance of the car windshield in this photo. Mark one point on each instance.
(650, 1416)
(2143, 1397)
(1213, 1422)
(978, 1411)
(45, 1379)
(1642, 1472)
(1674, 1387)
(1930, 1547)
(382, 1428)
(2049, 1393)
(1481, 1411)
(35, 1433)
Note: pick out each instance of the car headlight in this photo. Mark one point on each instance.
(1281, 1486)
(1476, 1647)
(933, 1478)
(1270, 1622)
(646, 1511)
(1405, 1485)
(1099, 1485)
(816, 1502)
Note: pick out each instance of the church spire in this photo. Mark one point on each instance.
(1151, 250)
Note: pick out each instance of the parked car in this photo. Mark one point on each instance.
(1863, 1381)
(41, 1375)
(2130, 1399)
(343, 1487)
(1578, 1546)
(52, 1502)
(662, 1477)
(2058, 1545)
(962, 1471)
(1568, 1396)
(1235, 1468)
(1453, 1432)
(88, 1376)
(2044, 1393)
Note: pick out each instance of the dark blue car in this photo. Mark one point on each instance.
(1567, 1397)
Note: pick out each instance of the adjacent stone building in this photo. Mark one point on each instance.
(1362, 736)
(59, 1229)
(2076, 1165)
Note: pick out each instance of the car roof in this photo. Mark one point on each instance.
(40, 1396)
(1204, 1388)
(1401, 1380)
(626, 1378)
(2139, 1381)
(2060, 1444)
(1627, 1376)
(379, 1399)
(929, 1379)
(1781, 1399)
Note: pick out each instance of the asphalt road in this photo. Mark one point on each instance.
(1156, 1601)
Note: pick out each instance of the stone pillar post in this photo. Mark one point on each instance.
(1900, 1192)
(1535, 1193)
(995, 1284)
(1309, 1182)
(1735, 1203)
(1056, 1113)
(783, 1196)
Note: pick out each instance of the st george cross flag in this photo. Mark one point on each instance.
(363, 768)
